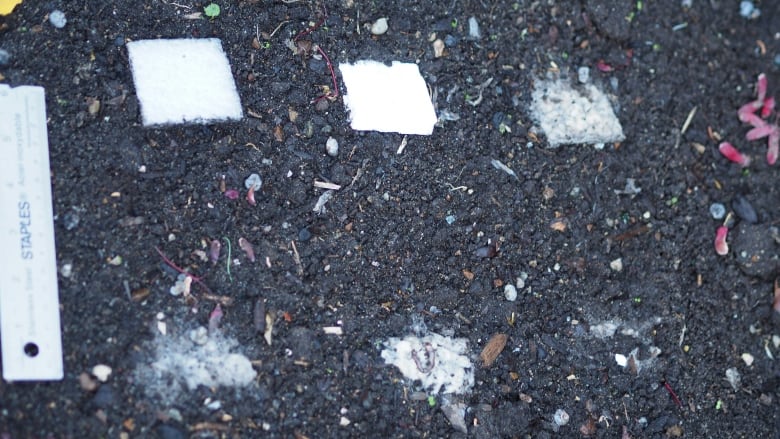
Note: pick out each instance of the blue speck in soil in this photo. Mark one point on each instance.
(5, 57)
(119, 41)
(450, 41)
(304, 234)
(450, 219)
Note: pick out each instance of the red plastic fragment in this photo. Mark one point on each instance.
(730, 152)
(231, 194)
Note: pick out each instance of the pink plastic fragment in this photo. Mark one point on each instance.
(214, 250)
(760, 131)
(232, 194)
(731, 153)
(250, 196)
(604, 67)
(721, 246)
(774, 145)
(768, 107)
(761, 88)
(214, 318)
(248, 249)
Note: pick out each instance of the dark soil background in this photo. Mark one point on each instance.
(383, 256)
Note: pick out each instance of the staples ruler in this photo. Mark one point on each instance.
(29, 300)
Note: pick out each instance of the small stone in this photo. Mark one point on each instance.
(5, 57)
(332, 147)
(57, 19)
(748, 10)
(776, 341)
(747, 358)
(379, 27)
(199, 335)
(438, 48)
(560, 417)
(744, 209)
(583, 75)
(617, 264)
(101, 372)
(450, 219)
(66, 269)
(510, 292)
(474, 28)
(253, 181)
(734, 378)
(88, 383)
(717, 210)
(621, 360)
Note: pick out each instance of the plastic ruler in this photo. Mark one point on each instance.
(29, 299)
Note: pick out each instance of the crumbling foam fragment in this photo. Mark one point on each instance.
(567, 115)
(452, 371)
(180, 363)
(390, 99)
(183, 81)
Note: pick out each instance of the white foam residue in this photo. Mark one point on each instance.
(179, 363)
(581, 115)
(183, 80)
(439, 363)
(387, 98)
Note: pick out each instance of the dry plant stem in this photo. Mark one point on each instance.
(334, 93)
(182, 271)
(316, 26)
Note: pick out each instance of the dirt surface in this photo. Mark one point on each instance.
(383, 260)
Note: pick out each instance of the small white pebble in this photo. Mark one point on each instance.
(583, 74)
(101, 372)
(332, 147)
(617, 264)
(142, 169)
(621, 360)
(66, 269)
(561, 417)
(520, 282)
(474, 28)
(344, 421)
(162, 327)
(747, 358)
(734, 378)
(253, 181)
(379, 27)
(57, 19)
(776, 341)
(510, 292)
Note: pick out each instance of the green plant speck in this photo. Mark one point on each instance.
(431, 400)
(212, 10)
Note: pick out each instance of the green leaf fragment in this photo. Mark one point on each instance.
(212, 10)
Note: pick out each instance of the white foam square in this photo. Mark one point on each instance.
(574, 115)
(183, 81)
(387, 98)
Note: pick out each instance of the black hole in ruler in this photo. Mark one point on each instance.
(31, 349)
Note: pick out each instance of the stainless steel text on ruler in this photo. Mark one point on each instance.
(29, 300)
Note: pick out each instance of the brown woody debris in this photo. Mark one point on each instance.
(492, 349)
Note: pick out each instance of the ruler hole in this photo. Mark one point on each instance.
(31, 349)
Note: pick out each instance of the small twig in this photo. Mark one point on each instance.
(227, 263)
(297, 258)
(277, 28)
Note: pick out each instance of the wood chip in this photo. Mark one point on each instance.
(326, 185)
(492, 349)
(558, 225)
